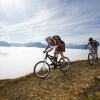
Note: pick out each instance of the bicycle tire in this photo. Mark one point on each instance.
(90, 59)
(38, 71)
(66, 66)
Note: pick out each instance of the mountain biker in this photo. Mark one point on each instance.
(60, 47)
(93, 45)
(50, 45)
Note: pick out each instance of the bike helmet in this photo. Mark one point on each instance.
(90, 39)
(48, 38)
(56, 37)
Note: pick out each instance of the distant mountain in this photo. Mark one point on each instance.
(3, 43)
(30, 44)
(35, 44)
(17, 44)
(39, 45)
(76, 46)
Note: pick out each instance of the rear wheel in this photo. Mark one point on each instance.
(66, 66)
(90, 59)
(42, 69)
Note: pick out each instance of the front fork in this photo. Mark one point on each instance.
(45, 59)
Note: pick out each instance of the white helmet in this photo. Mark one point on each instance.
(48, 38)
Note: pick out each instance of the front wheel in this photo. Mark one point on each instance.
(90, 59)
(42, 69)
(67, 64)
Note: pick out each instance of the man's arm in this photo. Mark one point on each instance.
(46, 49)
(86, 46)
(50, 50)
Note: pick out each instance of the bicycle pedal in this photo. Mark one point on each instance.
(58, 67)
(55, 67)
(51, 64)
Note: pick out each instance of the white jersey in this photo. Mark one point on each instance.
(51, 47)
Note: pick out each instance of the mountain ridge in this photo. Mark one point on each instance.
(39, 45)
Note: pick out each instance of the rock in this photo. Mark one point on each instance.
(90, 97)
(97, 94)
(97, 78)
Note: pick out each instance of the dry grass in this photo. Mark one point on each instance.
(72, 85)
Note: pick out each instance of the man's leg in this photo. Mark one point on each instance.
(55, 59)
(96, 53)
(62, 56)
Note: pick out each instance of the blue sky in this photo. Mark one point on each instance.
(33, 20)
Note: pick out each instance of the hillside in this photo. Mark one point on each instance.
(79, 83)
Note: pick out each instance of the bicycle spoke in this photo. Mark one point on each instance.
(42, 69)
(90, 58)
(66, 66)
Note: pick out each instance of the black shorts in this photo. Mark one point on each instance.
(60, 49)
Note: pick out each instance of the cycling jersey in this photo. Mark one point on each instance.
(93, 44)
(61, 46)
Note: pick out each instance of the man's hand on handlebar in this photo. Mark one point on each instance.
(45, 52)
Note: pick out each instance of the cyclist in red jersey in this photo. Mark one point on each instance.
(60, 47)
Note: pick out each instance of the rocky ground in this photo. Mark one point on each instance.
(81, 82)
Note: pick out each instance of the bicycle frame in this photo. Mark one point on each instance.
(51, 58)
(93, 53)
(92, 57)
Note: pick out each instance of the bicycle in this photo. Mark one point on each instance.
(42, 68)
(92, 57)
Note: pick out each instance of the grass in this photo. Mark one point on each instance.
(75, 84)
